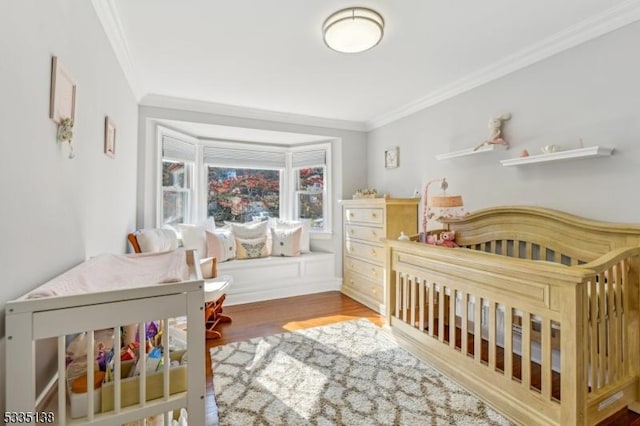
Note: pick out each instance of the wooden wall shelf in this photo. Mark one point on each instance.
(590, 152)
(470, 151)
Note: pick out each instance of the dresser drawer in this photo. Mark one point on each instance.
(364, 251)
(372, 291)
(366, 269)
(361, 232)
(373, 216)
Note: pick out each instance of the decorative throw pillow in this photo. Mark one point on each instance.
(251, 248)
(250, 230)
(286, 242)
(194, 238)
(292, 224)
(156, 240)
(221, 245)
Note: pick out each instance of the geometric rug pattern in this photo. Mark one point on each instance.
(347, 373)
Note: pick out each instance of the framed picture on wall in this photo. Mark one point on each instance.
(62, 103)
(109, 137)
(391, 158)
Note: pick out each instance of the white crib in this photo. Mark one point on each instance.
(29, 320)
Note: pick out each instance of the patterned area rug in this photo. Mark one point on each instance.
(348, 373)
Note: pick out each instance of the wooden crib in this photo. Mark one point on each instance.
(123, 400)
(536, 313)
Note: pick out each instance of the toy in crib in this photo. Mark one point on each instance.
(444, 239)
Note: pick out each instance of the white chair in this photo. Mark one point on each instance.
(215, 288)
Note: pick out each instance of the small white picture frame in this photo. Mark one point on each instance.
(109, 137)
(392, 157)
(62, 103)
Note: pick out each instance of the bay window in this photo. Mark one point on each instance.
(242, 182)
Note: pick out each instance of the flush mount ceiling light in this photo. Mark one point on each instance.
(353, 30)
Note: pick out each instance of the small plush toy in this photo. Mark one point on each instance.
(447, 239)
(431, 239)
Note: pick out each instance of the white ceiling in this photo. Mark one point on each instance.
(268, 56)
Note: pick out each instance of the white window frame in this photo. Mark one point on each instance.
(327, 204)
(193, 170)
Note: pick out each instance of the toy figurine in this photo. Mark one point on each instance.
(447, 239)
(495, 132)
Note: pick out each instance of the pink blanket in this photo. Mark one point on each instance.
(115, 272)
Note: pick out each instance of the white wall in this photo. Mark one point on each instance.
(348, 152)
(57, 212)
(591, 92)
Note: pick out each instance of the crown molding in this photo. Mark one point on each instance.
(162, 101)
(109, 16)
(612, 19)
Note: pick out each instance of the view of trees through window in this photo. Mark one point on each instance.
(240, 195)
(175, 192)
(309, 195)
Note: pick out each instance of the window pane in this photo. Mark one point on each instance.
(174, 174)
(311, 179)
(310, 207)
(240, 195)
(174, 207)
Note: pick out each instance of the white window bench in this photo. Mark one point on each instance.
(269, 278)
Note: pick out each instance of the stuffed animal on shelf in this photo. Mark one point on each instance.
(447, 239)
(495, 132)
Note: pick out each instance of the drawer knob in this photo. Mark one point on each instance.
(374, 272)
(351, 281)
(351, 231)
(374, 215)
(374, 234)
(374, 291)
(374, 253)
(351, 214)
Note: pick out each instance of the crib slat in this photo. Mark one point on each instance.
(142, 362)
(602, 359)
(508, 342)
(90, 374)
(477, 330)
(405, 296)
(492, 335)
(492, 245)
(398, 293)
(431, 296)
(526, 350)
(625, 308)
(167, 361)
(117, 370)
(464, 341)
(412, 284)
(545, 358)
(452, 319)
(62, 381)
(516, 249)
(557, 256)
(527, 250)
(593, 330)
(612, 331)
(441, 314)
(619, 313)
(421, 296)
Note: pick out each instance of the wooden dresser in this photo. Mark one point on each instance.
(365, 223)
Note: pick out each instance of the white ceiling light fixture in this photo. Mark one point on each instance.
(353, 30)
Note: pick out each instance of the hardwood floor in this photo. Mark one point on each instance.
(294, 313)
